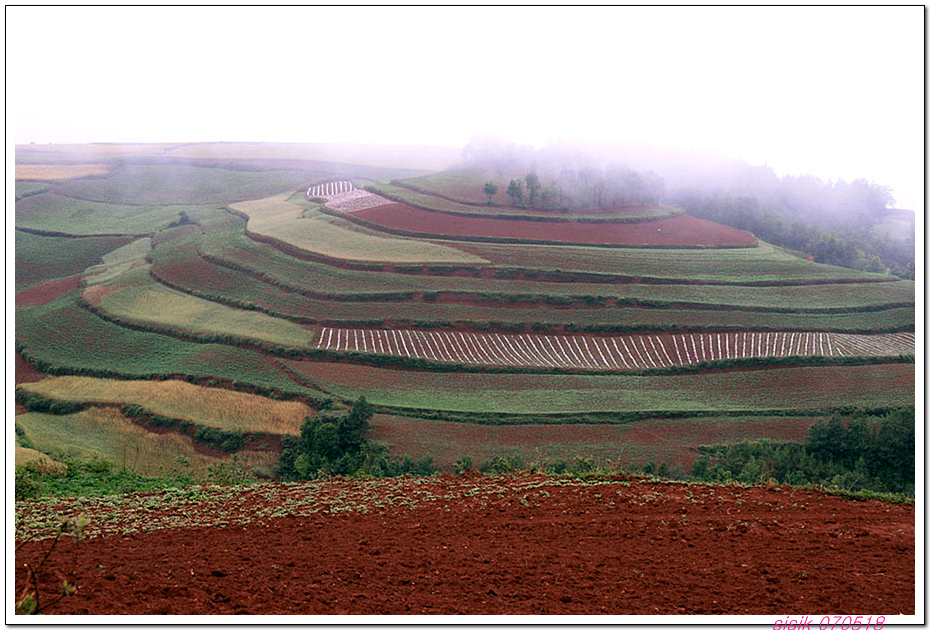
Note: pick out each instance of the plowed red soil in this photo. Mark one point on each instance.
(675, 231)
(476, 545)
(45, 293)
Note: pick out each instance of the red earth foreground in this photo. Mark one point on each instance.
(479, 545)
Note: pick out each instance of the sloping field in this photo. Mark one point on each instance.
(51, 212)
(307, 230)
(680, 231)
(182, 184)
(206, 406)
(119, 261)
(672, 441)
(140, 300)
(470, 544)
(629, 352)
(47, 291)
(804, 388)
(39, 259)
(51, 172)
(64, 335)
(27, 188)
(108, 435)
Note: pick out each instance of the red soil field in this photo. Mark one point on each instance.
(25, 371)
(675, 231)
(476, 545)
(45, 293)
(670, 441)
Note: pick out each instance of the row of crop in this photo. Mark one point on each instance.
(252, 294)
(507, 240)
(600, 353)
(414, 362)
(491, 299)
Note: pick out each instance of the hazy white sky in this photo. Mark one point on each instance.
(835, 92)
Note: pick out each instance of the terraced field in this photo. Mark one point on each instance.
(226, 275)
(529, 398)
(629, 352)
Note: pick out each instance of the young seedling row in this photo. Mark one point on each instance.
(627, 352)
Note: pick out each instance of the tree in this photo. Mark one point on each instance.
(353, 429)
(515, 191)
(532, 185)
(490, 189)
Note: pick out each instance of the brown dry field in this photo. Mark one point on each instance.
(471, 544)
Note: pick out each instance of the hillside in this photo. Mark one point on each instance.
(318, 274)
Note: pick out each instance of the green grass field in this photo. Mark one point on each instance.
(173, 183)
(27, 188)
(51, 212)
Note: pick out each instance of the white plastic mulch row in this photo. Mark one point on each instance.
(627, 352)
(329, 189)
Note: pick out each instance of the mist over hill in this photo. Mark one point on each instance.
(851, 224)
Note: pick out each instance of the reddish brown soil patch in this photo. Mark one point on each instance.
(469, 544)
(670, 441)
(45, 293)
(25, 371)
(671, 232)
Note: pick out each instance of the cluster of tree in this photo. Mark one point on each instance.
(854, 452)
(614, 187)
(831, 221)
(851, 244)
(339, 445)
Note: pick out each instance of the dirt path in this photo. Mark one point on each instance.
(477, 545)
